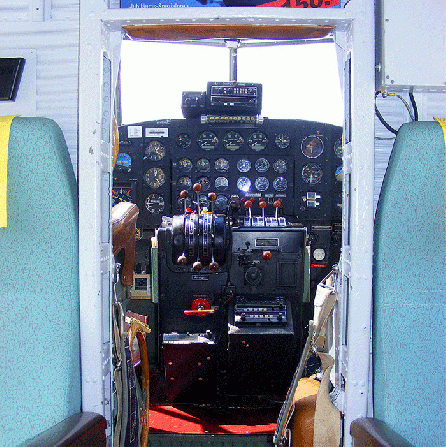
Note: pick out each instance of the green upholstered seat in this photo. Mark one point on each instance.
(39, 291)
(409, 341)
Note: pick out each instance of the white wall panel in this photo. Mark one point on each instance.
(15, 11)
(55, 41)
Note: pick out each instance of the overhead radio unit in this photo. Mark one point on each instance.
(230, 97)
(224, 99)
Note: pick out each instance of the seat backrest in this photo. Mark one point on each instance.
(409, 342)
(39, 284)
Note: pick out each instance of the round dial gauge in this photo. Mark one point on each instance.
(221, 183)
(232, 140)
(261, 165)
(339, 173)
(280, 166)
(183, 141)
(338, 148)
(312, 147)
(120, 194)
(282, 141)
(155, 151)
(185, 183)
(258, 141)
(207, 140)
(155, 177)
(203, 165)
(243, 165)
(123, 161)
(262, 183)
(203, 199)
(185, 165)
(154, 203)
(312, 173)
(280, 184)
(221, 165)
(221, 203)
(184, 203)
(244, 184)
(205, 183)
(319, 254)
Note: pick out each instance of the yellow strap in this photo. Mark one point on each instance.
(442, 122)
(5, 126)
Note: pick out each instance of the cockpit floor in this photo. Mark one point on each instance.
(189, 419)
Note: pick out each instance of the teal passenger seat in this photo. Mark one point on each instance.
(409, 289)
(39, 292)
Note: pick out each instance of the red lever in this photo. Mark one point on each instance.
(200, 308)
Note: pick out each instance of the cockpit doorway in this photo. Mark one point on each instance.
(101, 31)
(276, 176)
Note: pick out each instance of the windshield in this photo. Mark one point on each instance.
(299, 81)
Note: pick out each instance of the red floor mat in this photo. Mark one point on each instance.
(193, 420)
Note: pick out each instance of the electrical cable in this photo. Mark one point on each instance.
(406, 104)
(381, 119)
(413, 112)
(414, 106)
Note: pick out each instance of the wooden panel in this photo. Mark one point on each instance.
(188, 31)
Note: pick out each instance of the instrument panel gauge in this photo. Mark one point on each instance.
(154, 203)
(319, 254)
(258, 141)
(221, 165)
(312, 173)
(339, 173)
(280, 184)
(312, 147)
(155, 177)
(243, 165)
(203, 200)
(244, 184)
(123, 161)
(183, 141)
(185, 183)
(221, 203)
(221, 183)
(282, 141)
(121, 194)
(155, 151)
(205, 183)
(232, 140)
(280, 166)
(338, 148)
(261, 165)
(207, 140)
(262, 184)
(203, 165)
(184, 203)
(185, 165)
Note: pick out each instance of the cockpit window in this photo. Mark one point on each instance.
(300, 81)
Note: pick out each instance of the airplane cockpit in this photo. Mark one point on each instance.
(197, 256)
(239, 220)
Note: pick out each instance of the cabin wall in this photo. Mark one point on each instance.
(410, 49)
(429, 104)
(46, 33)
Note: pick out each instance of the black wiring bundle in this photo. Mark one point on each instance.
(413, 112)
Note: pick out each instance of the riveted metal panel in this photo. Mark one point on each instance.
(54, 43)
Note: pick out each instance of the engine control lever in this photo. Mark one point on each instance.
(197, 189)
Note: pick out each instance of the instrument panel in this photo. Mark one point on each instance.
(294, 163)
